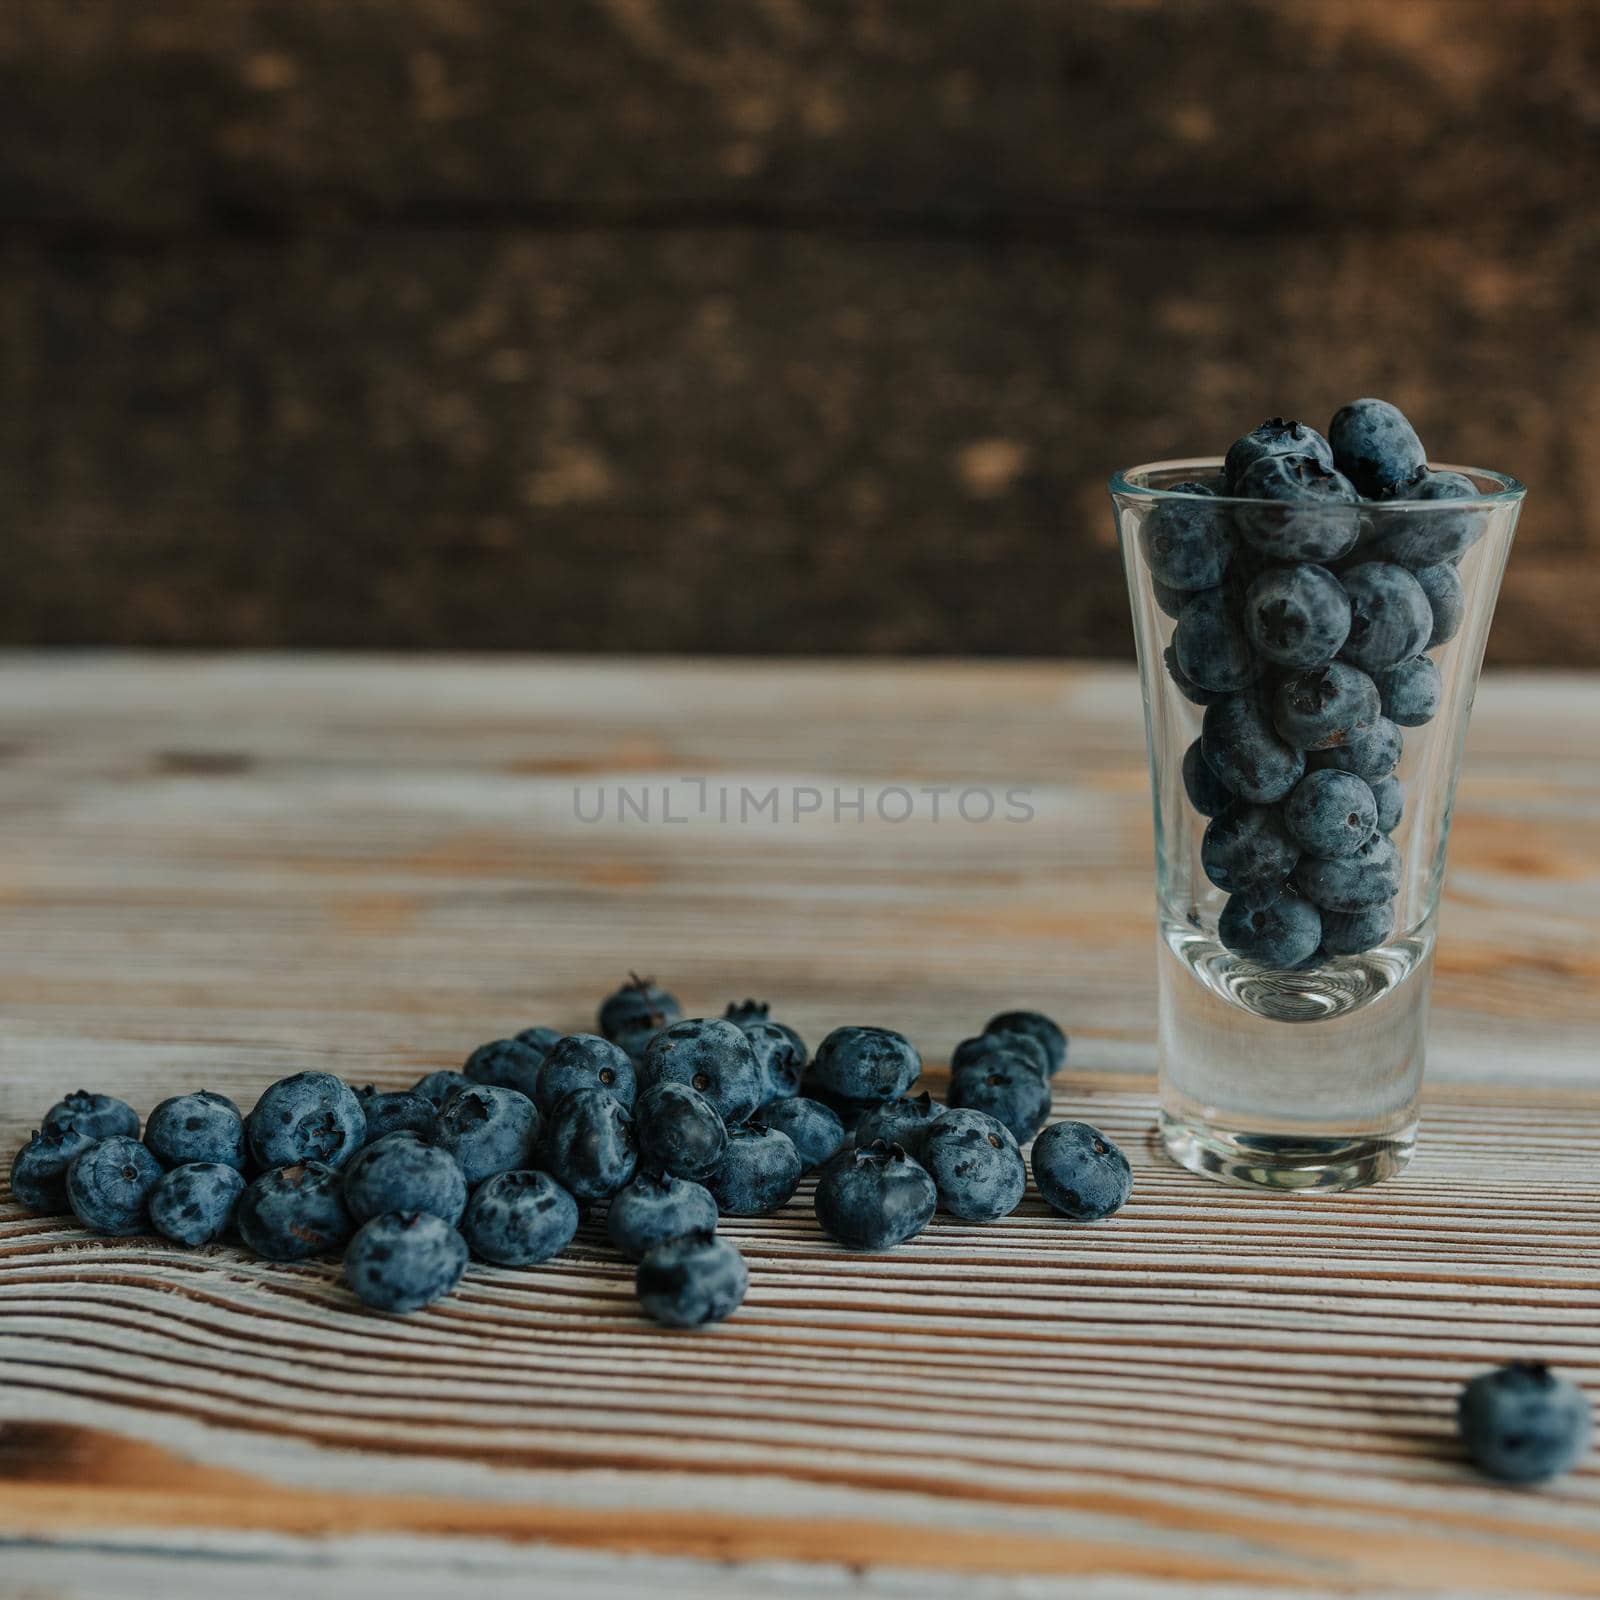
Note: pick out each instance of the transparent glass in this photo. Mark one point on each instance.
(1306, 1078)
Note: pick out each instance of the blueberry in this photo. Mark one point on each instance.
(585, 1061)
(1297, 616)
(1243, 748)
(517, 1219)
(874, 1197)
(982, 1048)
(904, 1122)
(653, 1209)
(294, 1212)
(404, 1260)
(1009, 1089)
(1424, 538)
(1187, 687)
(100, 1116)
(1331, 813)
(1277, 436)
(711, 1055)
(1376, 447)
(1169, 599)
(1284, 934)
(851, 1113)
(539, 1039)
(1349, 933)
(1390, 798)
(397, 1111)
(759, 1171)
(748, 1014)
(401, 1173)
(1325, 707)
(39, 1168)
(812, 1128)
(488, 1130)
(975, 1165)
(1390, 618)
(1080, 1172)
(1446, 599)
(1186, 542)
(110, 1183)
(589, 1146)
(193, 1204)
(1522, 1423)
(1354, 882)
(1371, 755)
(1038, 1026)
(866, 1063)
(1212, 645)
(1248, 852)
(312, 1116)
(688, 1282)
(1410, 691)
(197, 1127)
(506, 1064)
(1315, 517)
(437, 1087)
(1207, 793)
(782, 1065)
(635, 1013)
(679, 1131)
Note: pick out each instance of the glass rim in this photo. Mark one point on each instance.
(1121, 483)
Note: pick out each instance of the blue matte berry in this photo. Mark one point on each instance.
(1376, 447)
(39, 1168)
(634, 1014)
(438, 1087)
(1350, 933)
(1213, 648)
(748, 1014)
(866, 1064)
(404, 1260)
(1169, 599)
(506, 1064)
(1186, 543)
(1009, 1089)
(1425, 537)
(193, 1204)
(539, 1039)
(1186, 686)
(1036, 1025)
(1297, 616)
(100, 1116)
(109, 1185)
(712, 1055)
(812, 1128)
(692, 1281)
(294, 1212)
(1446, 599)
(678, 1131)
(397, 1111)
(1523, 1423)
(1080, 1172)
(1282, 935)
(589, 1145)
(401, 1173)
(782, 1063)
(488, 1130)
(1410, 691)
(1371, 755)
(982, 1048)
(518, 1219)
(1325, 707)
(653, 1208)
(904, 1122)
(759, 1171)
(1353, 882)
(1248, 852)
(874, 1197)
(311, 1116)
(975, 1165)
(1246, 752)
(1314, 518)
(1277, 436)
(585, 1061)
(1207, 793)
(1390, 618)
(1331, 813)
(197, 1127)
(1390, 798)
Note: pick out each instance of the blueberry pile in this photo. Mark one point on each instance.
(669, 1123)
(1302, 624)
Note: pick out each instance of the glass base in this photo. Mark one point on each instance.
(1281, 1161)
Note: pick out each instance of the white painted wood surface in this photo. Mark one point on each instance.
(215, 871)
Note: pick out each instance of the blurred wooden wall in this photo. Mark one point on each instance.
(766, 325)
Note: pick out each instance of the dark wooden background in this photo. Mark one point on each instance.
(772, 325)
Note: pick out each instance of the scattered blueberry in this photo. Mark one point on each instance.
(812, 1128)
(1315, 518)
(711, 1055)
(635, 1013)
(39, 1168)
(1080, 1172)
(759, 1171)
(1037, 1026)
(1331, 813)
(1325, 707)
(866, 1063)
(1212, 645)
(1425, 538)
(975, 1165)
(982, 1048)
(1353, 882)
(401, 1173)
(1372, 754)
(589, 1145)
(294, 1212)
(1410, 691)
(311, 1116)
(653, 1208)
(506, 1064)
(781, 1059)
(437, 1087)
(1446, 599)
(1390, 618)
(1350, 933)
(1297, 616)
(750, 1013)
(397, 1111)
(101, 1116)
(1523, 1423)
(585, 1061)
(679, 1131)
(1277, 436)
(193, 1204)
(874, 1197)
(1390, 798)
(517, 1219)
(1208, 794)
(1248, 852)
(404, 1260)
(203, 1127)
(1246, 752)
(1376, 447)
(488, 1130)
(688, 1282)
(904, 1122)
(1186, 542)
(1009, 1089)
(110, 1183)
(1283, 934)
(538, 1038)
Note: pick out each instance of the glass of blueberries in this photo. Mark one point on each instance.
(1310, 612)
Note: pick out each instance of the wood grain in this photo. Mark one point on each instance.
(217, 870)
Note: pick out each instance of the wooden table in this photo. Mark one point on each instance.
(215, 871)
